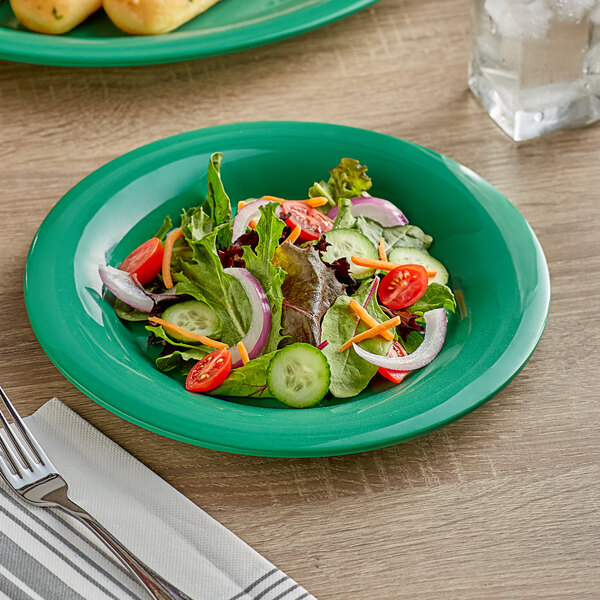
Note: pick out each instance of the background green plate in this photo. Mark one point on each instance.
(229, 26)
(492, 255)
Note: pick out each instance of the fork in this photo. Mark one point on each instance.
(29, 472)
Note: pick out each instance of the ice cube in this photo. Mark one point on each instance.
(525, 19)
(572, 10)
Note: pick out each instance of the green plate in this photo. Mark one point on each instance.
(229, 26)
(491, 253)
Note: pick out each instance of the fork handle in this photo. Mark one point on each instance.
(159, 588)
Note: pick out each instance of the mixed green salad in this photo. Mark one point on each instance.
(289, 299)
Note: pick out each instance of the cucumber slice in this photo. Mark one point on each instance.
(412, 256)
(347, 243)
(194, 316)
(299, 375)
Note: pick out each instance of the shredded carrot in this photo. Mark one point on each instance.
(241, 204)
(252, 224)
(381, 250)
(369, 333)
(382, 265)
(368, 319)
(168, 252)
(314, 202)
(196, 337)
(294, 235)
(243, 352)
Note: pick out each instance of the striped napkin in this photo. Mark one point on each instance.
(47, 555)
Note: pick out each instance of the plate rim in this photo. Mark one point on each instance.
(446, 414)
(35, 48)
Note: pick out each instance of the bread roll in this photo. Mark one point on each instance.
(148, 17)
(53, 16)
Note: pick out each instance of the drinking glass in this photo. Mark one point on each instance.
(535, 64)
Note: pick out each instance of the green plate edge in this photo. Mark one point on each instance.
(62, 51)
(508, 365)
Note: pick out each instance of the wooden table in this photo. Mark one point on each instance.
(502, 504)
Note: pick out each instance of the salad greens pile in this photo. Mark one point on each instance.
(290, 301)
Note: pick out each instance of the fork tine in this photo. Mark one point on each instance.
(34, 446)
(10, 461)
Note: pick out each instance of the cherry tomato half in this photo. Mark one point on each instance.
(403, 286)
(313, 223)
(145, 261)
(210, 372)
(396, 351)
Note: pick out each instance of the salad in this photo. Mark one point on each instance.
(288, 299)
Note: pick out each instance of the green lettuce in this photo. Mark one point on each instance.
(159, 332)
(344, 219)
(348, 180)
(165, 228)
(205, 279)
(198, 221)
(217, 205)
(350, 373)
(321, 189)
(196, 224)
(401, 236)
(436, 296)
(187, 286)
(182, 360)
(249, 380)
(413, 340)
(259, 262)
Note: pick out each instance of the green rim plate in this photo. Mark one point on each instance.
(491, 253)
(229, 26)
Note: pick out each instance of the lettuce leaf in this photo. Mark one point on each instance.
(350, 373)
(198, 221)
(181, 360)
(196, 224)
(259, 263)
(436, 296)
(249, 380)
(205, 279)
(319, 189)
(309, 289)
(402, 236)
(182, 355)
(348, 180)
(217, 205)
(165, 228)
(159, 332)
(344, 219)
(412, 342)
(186, 286)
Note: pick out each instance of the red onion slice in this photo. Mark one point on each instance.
(435, 334)
(246, 214)
(257, 336)
(378, 209)
(125, 288)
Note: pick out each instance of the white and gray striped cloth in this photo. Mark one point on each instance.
(47, 555)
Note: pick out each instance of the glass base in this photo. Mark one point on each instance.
(571, 109)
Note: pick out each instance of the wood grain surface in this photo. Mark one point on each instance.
(502, 504)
